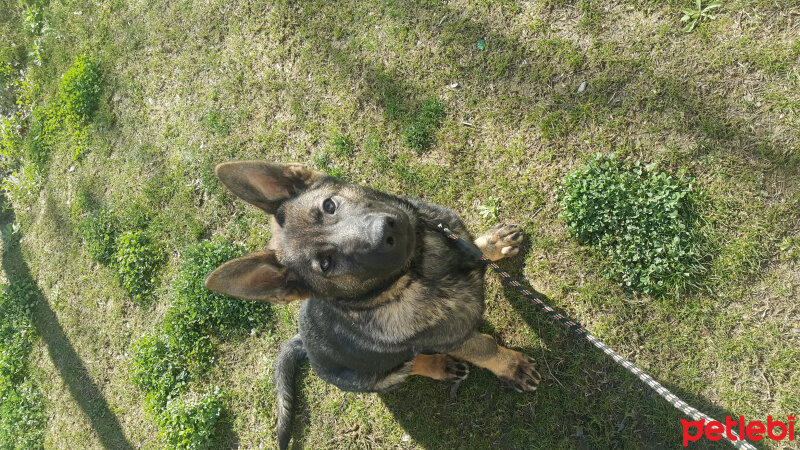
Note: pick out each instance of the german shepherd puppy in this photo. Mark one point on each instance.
(387, 296)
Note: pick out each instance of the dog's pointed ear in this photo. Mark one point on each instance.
(264, 184)
(257, 276)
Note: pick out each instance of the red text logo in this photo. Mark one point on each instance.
(738, 430)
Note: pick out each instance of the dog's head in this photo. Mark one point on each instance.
(330, 238)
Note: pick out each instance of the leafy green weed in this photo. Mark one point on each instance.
(643, 220)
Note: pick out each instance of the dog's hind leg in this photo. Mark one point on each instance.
(440, 367)
(500, 242)
(515, 368)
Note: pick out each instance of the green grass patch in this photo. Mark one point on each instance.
(79, 97)
(190, 423)
(11, 141)
(209, 311)
(166, 362)
(21, 185)
(323, 161)
(332, 158)
(701, 12)
(342, 145)
(123, 243)
(419, 133)
(137, 262)
(80, 89)
(43, 127)
(67, 118)
(22, 415)
(99, 231)
(642, 219)
(47, 123)
(217, 122)
(555, 125)
(16, 334)
(789, 248)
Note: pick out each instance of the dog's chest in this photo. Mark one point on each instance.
(426, 317)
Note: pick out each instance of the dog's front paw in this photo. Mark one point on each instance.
(440, 367)
(500, 242)
(455, 369)
(524, 377)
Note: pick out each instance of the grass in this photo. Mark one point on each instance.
(167, 364)
(644, 220)
(80, 89)
(217, 122)
(191, 424)
(342, 145)
(99, 231)
(206, 310)
(419, 133)
(137, 262)
(22, 408)
(397, 95)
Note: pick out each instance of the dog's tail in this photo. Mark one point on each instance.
(292, 353)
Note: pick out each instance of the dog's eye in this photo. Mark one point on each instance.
(329, 206)
(325, 263)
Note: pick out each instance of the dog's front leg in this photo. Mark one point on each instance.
(517, 369)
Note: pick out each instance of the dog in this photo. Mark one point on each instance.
(386, 295)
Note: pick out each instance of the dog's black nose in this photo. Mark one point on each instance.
(382, 232)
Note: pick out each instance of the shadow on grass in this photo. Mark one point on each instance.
(224, 435)
(584, 373)
(586, 400)
(64, 357)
